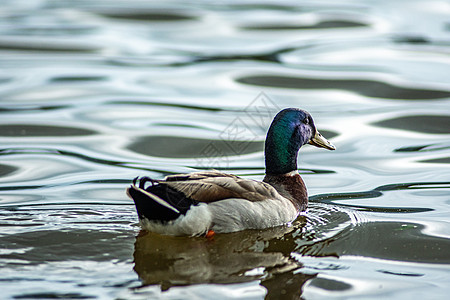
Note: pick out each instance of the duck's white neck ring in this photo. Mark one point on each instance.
(291, 173)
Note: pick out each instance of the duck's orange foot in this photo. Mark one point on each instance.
(210, 234)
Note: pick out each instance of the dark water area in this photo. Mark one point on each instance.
(95, 93)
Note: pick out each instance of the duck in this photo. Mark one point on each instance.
(208, 202)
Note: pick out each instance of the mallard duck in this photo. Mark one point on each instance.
(209, 202)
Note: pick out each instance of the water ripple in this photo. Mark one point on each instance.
(436, 124)
(378, 192)
(37, 130)
(326, 24)
(367, 88)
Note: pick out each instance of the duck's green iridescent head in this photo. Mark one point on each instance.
(290, 129)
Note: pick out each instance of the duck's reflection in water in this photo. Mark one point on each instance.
(226, 258)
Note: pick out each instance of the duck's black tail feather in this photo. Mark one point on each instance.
(158, 202)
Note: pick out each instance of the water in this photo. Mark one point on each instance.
(93, 94)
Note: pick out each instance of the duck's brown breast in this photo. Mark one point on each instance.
(290, 186)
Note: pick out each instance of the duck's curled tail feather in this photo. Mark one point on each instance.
(158, 201)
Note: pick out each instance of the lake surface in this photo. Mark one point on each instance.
(95, 93)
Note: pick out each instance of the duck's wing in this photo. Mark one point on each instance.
(214, 186)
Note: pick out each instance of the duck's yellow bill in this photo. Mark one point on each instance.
(319, 141)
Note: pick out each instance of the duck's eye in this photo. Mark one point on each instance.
(306, 121)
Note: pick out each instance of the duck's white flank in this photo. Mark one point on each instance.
(238, 214)
(228, 215)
